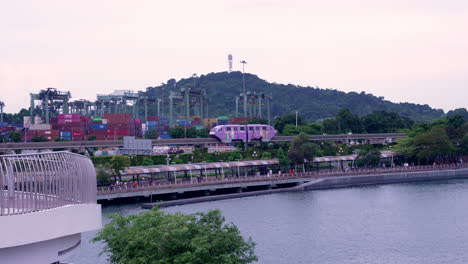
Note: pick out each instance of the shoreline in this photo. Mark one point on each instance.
(330, 183)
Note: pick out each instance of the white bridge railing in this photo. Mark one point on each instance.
(34, 182)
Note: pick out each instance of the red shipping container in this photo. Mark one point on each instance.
(69, 116)
(120, 126)
(153, 118)
(67, 121)
(78, 138)
(77, 133)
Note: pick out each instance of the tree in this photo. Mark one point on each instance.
(463, 148)
(282, 121)
(291, 130)
(455, 120)
(147, 161)
(203, 133)
(369, 158)
(102, 176)
(330, 126)
(152, 134)
(313, 129)
(433, 144)
(302, 149)
(157, 237)
(39, 139)
(266, 155)
(283, 159)
(119, 163)
(348, 122)
(385, 122)
(459, 111)
(181, 132)
(15, 136)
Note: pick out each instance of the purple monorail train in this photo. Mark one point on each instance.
(244, 133)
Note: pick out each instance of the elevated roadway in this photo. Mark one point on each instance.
(342, 138)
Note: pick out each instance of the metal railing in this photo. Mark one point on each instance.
(148, 186)
(35, 182)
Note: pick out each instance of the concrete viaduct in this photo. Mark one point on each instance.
(342, 138)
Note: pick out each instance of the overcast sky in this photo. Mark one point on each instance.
(405, 50)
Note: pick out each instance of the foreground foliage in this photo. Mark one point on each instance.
(156, 237)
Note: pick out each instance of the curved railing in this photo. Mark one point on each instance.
(35, 182)
(148, 186)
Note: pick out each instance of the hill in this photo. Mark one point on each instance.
(313, 103)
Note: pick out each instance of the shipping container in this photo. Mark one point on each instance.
(153, 118)
(69, 116)
(3, 124)
(77, 134)
(68, 121)
(99, 126)
(97, 119)
(40, 127)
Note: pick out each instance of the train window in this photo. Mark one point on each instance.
(251, 128)
(235, 128)
(242, 128)
(257, 128)
(263, 128)
(228, 128)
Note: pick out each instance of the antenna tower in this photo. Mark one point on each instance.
(230, 62)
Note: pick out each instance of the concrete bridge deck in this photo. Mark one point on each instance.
(309, 180)
(342, 138)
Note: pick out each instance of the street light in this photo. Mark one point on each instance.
(243, 87)
(168, 160)
(296, 118)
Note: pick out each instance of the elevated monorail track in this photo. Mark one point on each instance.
(342, 138)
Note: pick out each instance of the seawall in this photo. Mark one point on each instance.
(334, 182)
(385, 178)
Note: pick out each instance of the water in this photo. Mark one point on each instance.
(385, 224)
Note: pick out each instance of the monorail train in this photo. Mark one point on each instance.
(244, 133)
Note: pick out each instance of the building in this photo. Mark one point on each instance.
(46, 201)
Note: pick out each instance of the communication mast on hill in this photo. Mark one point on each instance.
(230, 62)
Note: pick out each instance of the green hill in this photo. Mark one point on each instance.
(313, 103)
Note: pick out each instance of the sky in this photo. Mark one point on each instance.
(404, 50)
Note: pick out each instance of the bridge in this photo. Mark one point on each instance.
(334, 178)
(342, 138)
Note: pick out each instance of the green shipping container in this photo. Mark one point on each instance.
(223, 118)
(97, 119)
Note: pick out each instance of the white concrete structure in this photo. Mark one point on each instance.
(46, 201)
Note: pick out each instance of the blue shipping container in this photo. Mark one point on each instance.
(3, 124)
(99, 126)
(65, 133)
(164, 136)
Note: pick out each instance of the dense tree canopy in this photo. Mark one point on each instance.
(152, 134)
(302, 149)
(160, 238)
(440, 140)
(312, 103)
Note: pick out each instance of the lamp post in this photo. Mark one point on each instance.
(244, 92)
(255, 155)
(168, 161)
(296, 118)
